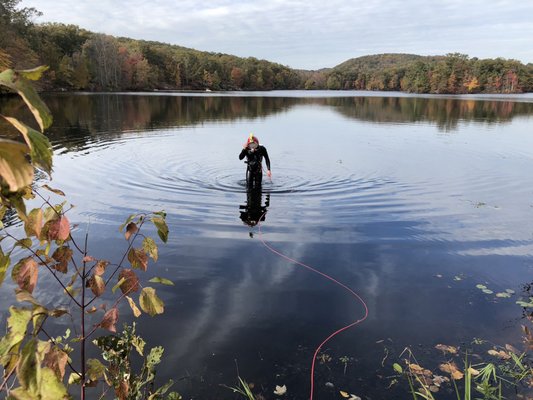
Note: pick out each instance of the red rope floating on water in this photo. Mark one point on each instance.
(324, 275)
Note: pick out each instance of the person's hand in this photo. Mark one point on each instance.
(269, 174)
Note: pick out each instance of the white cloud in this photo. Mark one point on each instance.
(312, 34)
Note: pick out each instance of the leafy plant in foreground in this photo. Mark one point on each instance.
(35, 362)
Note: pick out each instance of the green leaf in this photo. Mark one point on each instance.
(150, 248)
(24, 296)
(162, 281)
(40, 147)
(34, 223)
(153, 359)
(174, 396)
(51, 387)
(119, 283)
(72, 291)
(15, 170)
(40, 313)
(96, 369)
(130, 218)
(162, 228)
(503, 295)
(5, 262)
(162, 390)
(56, 191)
(58, 312)
(16, 81)
(20, 394)
(150, 303)
(397, 367)
(24, 243)
(34, 74)
(28, 368)
(139, 344)
(74, 378)
(17, 324)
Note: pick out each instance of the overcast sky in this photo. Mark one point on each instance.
(311, 34)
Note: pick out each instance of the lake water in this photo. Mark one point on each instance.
(410, 201)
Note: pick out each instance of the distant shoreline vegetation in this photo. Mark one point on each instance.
(83, 60)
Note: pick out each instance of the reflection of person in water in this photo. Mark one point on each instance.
(253, 211)
(254, 154)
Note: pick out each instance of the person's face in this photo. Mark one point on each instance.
(252, 146)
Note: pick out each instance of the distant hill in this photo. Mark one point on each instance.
(381, 61)
(84, 60)
(453, 73)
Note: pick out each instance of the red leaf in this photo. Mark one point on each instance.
(56, 360)
(59, 229)
(131, 228)
(100, 267)
(88, 259)
(138, 258)
(97, 285)
(62, 255)
(131, 282)
(110, 320)
(25, 273)
(122, 390)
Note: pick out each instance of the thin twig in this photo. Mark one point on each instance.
(43, 262)
(47, 201)
(114, 305)
(55, 343)
(7, 378)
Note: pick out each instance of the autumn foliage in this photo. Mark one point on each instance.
(35, 364)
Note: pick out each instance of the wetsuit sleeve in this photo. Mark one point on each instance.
(243, 154)
(267, 159)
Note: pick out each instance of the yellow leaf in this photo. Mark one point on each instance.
(451, 369)
(446, 349)
(15, 170)
(40, 147)
(344, 394)
(457, 375)
(500, 354)
(134, 308)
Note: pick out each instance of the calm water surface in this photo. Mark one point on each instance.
(409, 201)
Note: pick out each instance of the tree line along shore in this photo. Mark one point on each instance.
(82, 60)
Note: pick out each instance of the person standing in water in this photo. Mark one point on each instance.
(254, 154)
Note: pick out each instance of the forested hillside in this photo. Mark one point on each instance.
(83, 60)
(453, 73)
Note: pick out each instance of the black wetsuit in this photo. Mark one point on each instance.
(254, 172)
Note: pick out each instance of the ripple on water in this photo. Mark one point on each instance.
(150, 173)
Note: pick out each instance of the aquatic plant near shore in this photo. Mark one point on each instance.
(508, 368)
